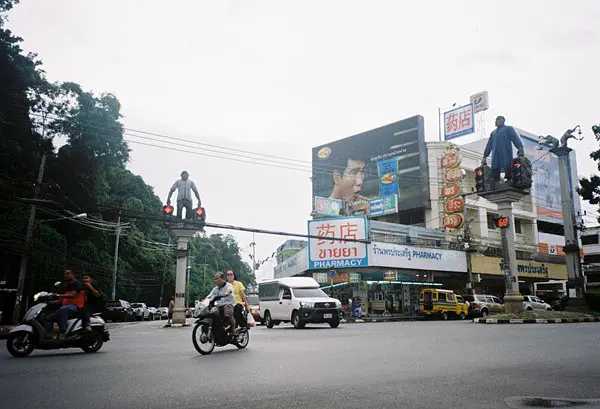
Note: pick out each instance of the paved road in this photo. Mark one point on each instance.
(406, 364)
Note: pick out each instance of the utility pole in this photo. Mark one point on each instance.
(19, 301)
(571, 248)
(116, 261)
(253, 244)
(187, 280)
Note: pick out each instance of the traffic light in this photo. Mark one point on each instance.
(502, 222)
(168, 210)
(200, 214)
(520, 173)
(479, 179)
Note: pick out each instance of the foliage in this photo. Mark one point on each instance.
(87, 173)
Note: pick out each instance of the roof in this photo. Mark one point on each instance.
(295, 282)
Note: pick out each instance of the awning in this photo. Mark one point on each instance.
(418, 283)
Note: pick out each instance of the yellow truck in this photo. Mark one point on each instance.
(442, 303)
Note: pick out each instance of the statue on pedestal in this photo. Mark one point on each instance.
(500, 145)
(184, 187)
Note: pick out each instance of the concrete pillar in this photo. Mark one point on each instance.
(504, 197)
(182, 237)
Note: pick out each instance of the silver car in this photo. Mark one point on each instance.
(531, 303)
(140, 311)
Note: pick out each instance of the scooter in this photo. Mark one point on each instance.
(33, 332)
(209, 331)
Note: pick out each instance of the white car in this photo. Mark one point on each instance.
(531, 303)
(298, 300)
(140, 311)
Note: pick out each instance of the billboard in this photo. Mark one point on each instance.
(325, 206)
(546, 186)
(387, 161)
(459, 121)
(323, 252)
(480, 101)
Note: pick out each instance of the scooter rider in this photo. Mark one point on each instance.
(239, 297)
(72, 300)
(222, 295)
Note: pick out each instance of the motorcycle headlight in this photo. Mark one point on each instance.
(306, 304)
(38, 295)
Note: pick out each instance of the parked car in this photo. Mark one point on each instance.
(154, 314)
(118, 310)
(298, 300)
(164, 312)
(140, 311)
(254, 304)
(442, 303)
(481, 305)
(531, 303)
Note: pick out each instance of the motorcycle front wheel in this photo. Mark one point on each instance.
(20, 344)
(203, 339)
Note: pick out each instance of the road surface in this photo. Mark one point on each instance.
(381, 365)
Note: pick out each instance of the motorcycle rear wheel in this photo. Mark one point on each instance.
(242, 339)
(20, 344)
(204, 348)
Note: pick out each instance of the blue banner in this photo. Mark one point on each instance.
(387, 170)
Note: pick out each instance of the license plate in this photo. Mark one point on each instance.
(327, 316)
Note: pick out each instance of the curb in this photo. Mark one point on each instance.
(535, 321)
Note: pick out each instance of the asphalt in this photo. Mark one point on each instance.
(379, 365)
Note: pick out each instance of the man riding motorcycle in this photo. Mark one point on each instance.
(222, 295)
(72, 300)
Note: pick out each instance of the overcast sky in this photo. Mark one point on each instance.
(279, 77)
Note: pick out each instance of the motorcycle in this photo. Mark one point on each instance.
(33, 331)
(209, 331)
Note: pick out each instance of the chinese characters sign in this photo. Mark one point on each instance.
(326, 252)
(459, 121)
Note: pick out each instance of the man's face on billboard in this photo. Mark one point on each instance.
(350, 182)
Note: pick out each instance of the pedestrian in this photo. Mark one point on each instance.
(170, 312)
(94, 300)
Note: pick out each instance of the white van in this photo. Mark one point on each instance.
(298, 300)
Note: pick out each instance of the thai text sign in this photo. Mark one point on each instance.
(459, 121)
(326, 252)
(417, 258)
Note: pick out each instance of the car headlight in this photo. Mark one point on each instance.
(306, 304)
(338, 304)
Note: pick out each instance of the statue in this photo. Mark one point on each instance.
(184, 187)
(500, 146)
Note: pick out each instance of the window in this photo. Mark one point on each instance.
(551, 228)
(491, 221)
(442, 297)
(287, 294)
(590, 239)
(309, 292)
(518, 226)
(591, 258)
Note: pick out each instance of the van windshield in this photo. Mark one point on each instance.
(308, 292)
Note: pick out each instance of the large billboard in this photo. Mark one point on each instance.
(546, 186)
(375, 165)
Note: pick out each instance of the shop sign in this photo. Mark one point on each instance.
(390, 276)
(327, 252)
(416, 258)
(532, 269)
(480, 101)
(459, 121)
(453, 202)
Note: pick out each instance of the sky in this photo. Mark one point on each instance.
(279, 77)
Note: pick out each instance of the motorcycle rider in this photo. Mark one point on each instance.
(239, 297)
(72, 300)
(225, 302)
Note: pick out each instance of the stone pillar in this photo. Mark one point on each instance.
(182, 237)
(504, 197)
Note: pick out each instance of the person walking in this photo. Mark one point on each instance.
(170, 312)
(94, 300)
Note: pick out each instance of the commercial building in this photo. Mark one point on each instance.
(412, 201)
(590, 239)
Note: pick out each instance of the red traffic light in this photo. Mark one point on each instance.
(502, 222)
(168, 210)
(200, 213)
